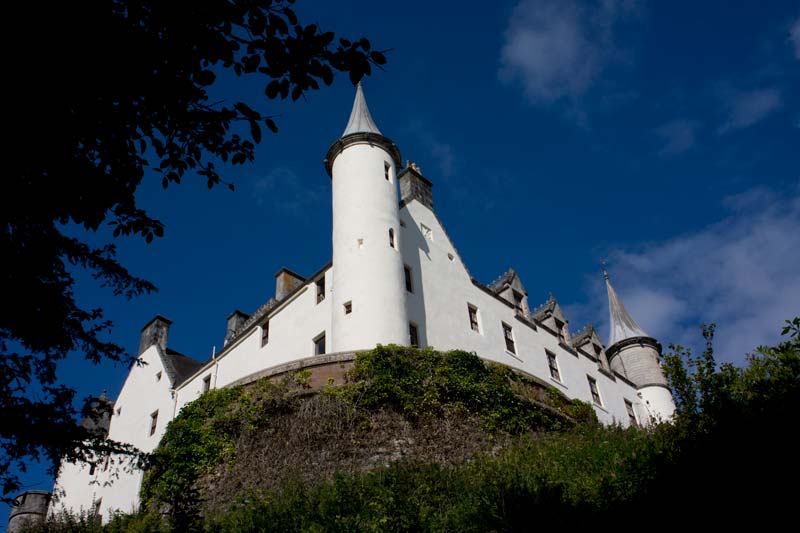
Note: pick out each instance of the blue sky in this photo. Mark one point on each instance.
(661, 136)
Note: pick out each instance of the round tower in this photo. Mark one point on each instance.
(28, 509)
(368, 293)
(634, 354)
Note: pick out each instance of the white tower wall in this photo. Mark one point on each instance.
(367, 270)
(658, 403)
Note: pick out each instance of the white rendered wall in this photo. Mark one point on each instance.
(442, 291)
(658, 403)
(142, 394)
(293, 326)
(370, 274)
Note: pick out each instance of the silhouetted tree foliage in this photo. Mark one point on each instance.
(100, 91)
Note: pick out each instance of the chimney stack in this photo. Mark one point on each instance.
(155, 332)
(285, 282)
(414, 186)
(235, 321)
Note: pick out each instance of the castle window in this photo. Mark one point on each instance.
(360, 244)
(97, 506)
(153, 422)
(391, 238)
(473, 318)
(264, 333)
(594, 391)
(413, 334)
(319, 344)
(158, 376)
(553, 364)
(207, 383)
(320, 289)
(92, 469)
(561, 329)
(348, 308)
(409, 284)
(119, 410)
(509, 337)
(517, 301)
(387, 169)
(106, 462)
(631, 414)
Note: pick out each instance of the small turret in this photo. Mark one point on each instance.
(634, 354)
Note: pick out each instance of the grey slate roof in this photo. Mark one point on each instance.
(622, 324)
(360, 119)
(178, 366)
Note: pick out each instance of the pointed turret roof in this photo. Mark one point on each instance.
(360, 119)
(622, 324)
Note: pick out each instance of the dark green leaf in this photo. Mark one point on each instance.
(205, 78)
(255, 131)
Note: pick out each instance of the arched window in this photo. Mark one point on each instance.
(391, 238)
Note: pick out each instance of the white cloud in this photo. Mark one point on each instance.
(794, 36)
(740, 273)
(442, 153)
(282, 189)
(557, 48)
(746, 108)
(678, 136)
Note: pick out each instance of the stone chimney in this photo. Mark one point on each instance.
(285, 282)
(414, 186)
(155, 332)
(235, 321)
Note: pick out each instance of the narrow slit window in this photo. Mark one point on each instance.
(265, 333)
(413, 334)
(153, 422)
(387, 169)
(320, 289)
(319, 345)
(631, 414)
(409, 282)
(509, 337)
(158, 376)
(391, 238)
(207, 383)
(348, 308)
(473, 319)
(594, 391)
(553, 365)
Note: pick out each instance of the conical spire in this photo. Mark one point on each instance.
(622, 324)
(360, 119)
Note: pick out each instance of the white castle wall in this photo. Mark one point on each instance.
(293, 327)
(442, 291)
(142, 394)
